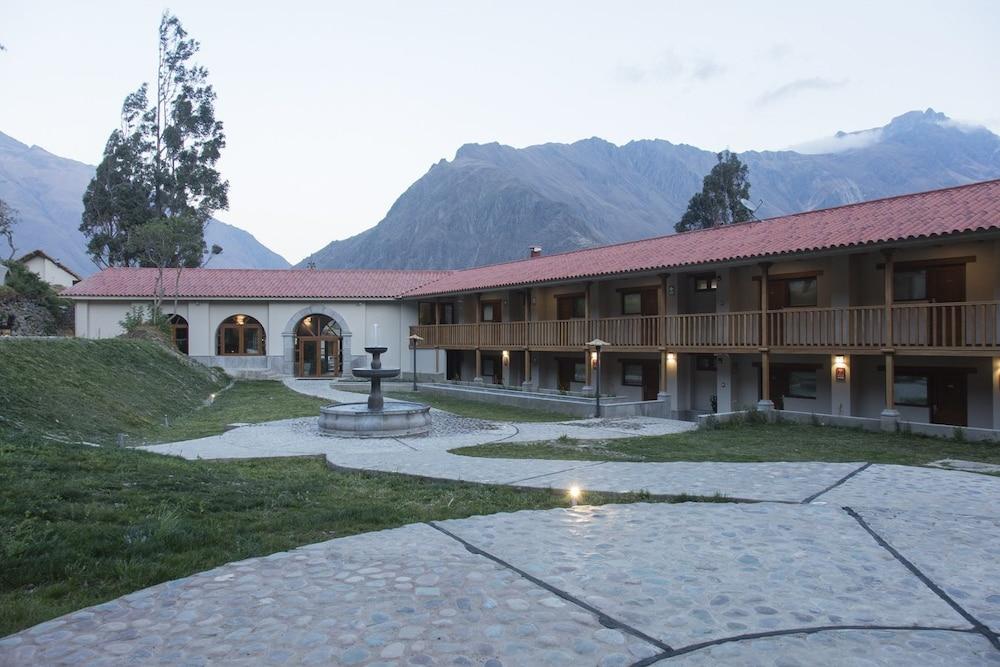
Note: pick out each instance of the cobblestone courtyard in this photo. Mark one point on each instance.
(838, 564)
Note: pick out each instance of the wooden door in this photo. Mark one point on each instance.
(949, 398)
(779, 386)
(946, 284)
(453, 364)
(650, 302)
(566, 371)
(650, 380)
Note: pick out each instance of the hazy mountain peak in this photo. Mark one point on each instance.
(47, 192)
(493, 200)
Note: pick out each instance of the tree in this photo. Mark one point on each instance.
(720, 201)
(159, 166)
(161, 244)
(8, 218)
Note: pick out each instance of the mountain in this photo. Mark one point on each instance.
(492, 201)
(47, 192)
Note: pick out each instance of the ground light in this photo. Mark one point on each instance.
(574, 494)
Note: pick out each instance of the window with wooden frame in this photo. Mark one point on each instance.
(490, 311)
(912, 389)
(632, 373)
(425, 312)
(240, 335)
(447, 312)
(707, 283)
(179, 333)
(571, 306)
(794, 381)
(640, 301)
(937, 281)
(798, 290)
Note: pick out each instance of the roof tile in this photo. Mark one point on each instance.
(965, 208)
(256, 283)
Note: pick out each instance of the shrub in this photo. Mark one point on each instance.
(146, 322)
(25, 284)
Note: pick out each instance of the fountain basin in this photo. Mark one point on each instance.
(357, 420)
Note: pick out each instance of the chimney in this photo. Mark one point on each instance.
(534, 251)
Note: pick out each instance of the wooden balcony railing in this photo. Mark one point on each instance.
(849, 328)
(966, 326)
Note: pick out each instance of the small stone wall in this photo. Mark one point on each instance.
(30, 319)
(569, 405)
(866, 423)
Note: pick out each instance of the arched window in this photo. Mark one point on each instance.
(317, 346)
(240, 335)
(179, 333)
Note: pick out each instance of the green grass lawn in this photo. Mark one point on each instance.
(757, 442)
(80, 525)
(245, 402)
(479, 409)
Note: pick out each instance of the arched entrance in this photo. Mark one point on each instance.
(318, 349)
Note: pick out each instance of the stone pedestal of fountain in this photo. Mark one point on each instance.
(375, 418)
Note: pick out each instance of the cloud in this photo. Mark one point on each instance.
(668, 66)
(842, 141)
(707, 68)
(776, 52)
(967, 127)
(793, 88)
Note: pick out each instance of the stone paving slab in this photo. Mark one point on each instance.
(847, 648)
(961, 554)
(405, 596)
(694, 572)
(911, 488)
(429, 457)
(790, 482)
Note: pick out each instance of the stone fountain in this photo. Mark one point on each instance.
(375, 419)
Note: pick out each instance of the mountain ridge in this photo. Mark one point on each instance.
(491, 201)
(47, 192)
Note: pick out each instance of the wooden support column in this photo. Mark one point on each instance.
(438, 307)
(479, 335)
(664, 351)
(889, 416)
(663, 309)
(587, 312)
(765, 354)
(526, 382)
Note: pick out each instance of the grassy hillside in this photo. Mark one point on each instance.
(91, 390)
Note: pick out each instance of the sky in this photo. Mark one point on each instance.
(332, 109)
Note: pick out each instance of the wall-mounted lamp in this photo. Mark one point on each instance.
(506, 357)
(671, 358)
(840, 368)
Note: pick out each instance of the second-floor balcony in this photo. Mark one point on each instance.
(967, 327)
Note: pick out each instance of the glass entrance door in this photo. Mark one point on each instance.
(308, 353)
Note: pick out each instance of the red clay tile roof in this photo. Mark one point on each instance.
(961, 209)
(256, 283)
(965, 208)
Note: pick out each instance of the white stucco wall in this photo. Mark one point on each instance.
(101, 319)
(50, 272)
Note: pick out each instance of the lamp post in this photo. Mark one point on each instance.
(414, 339)
(597, 344)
